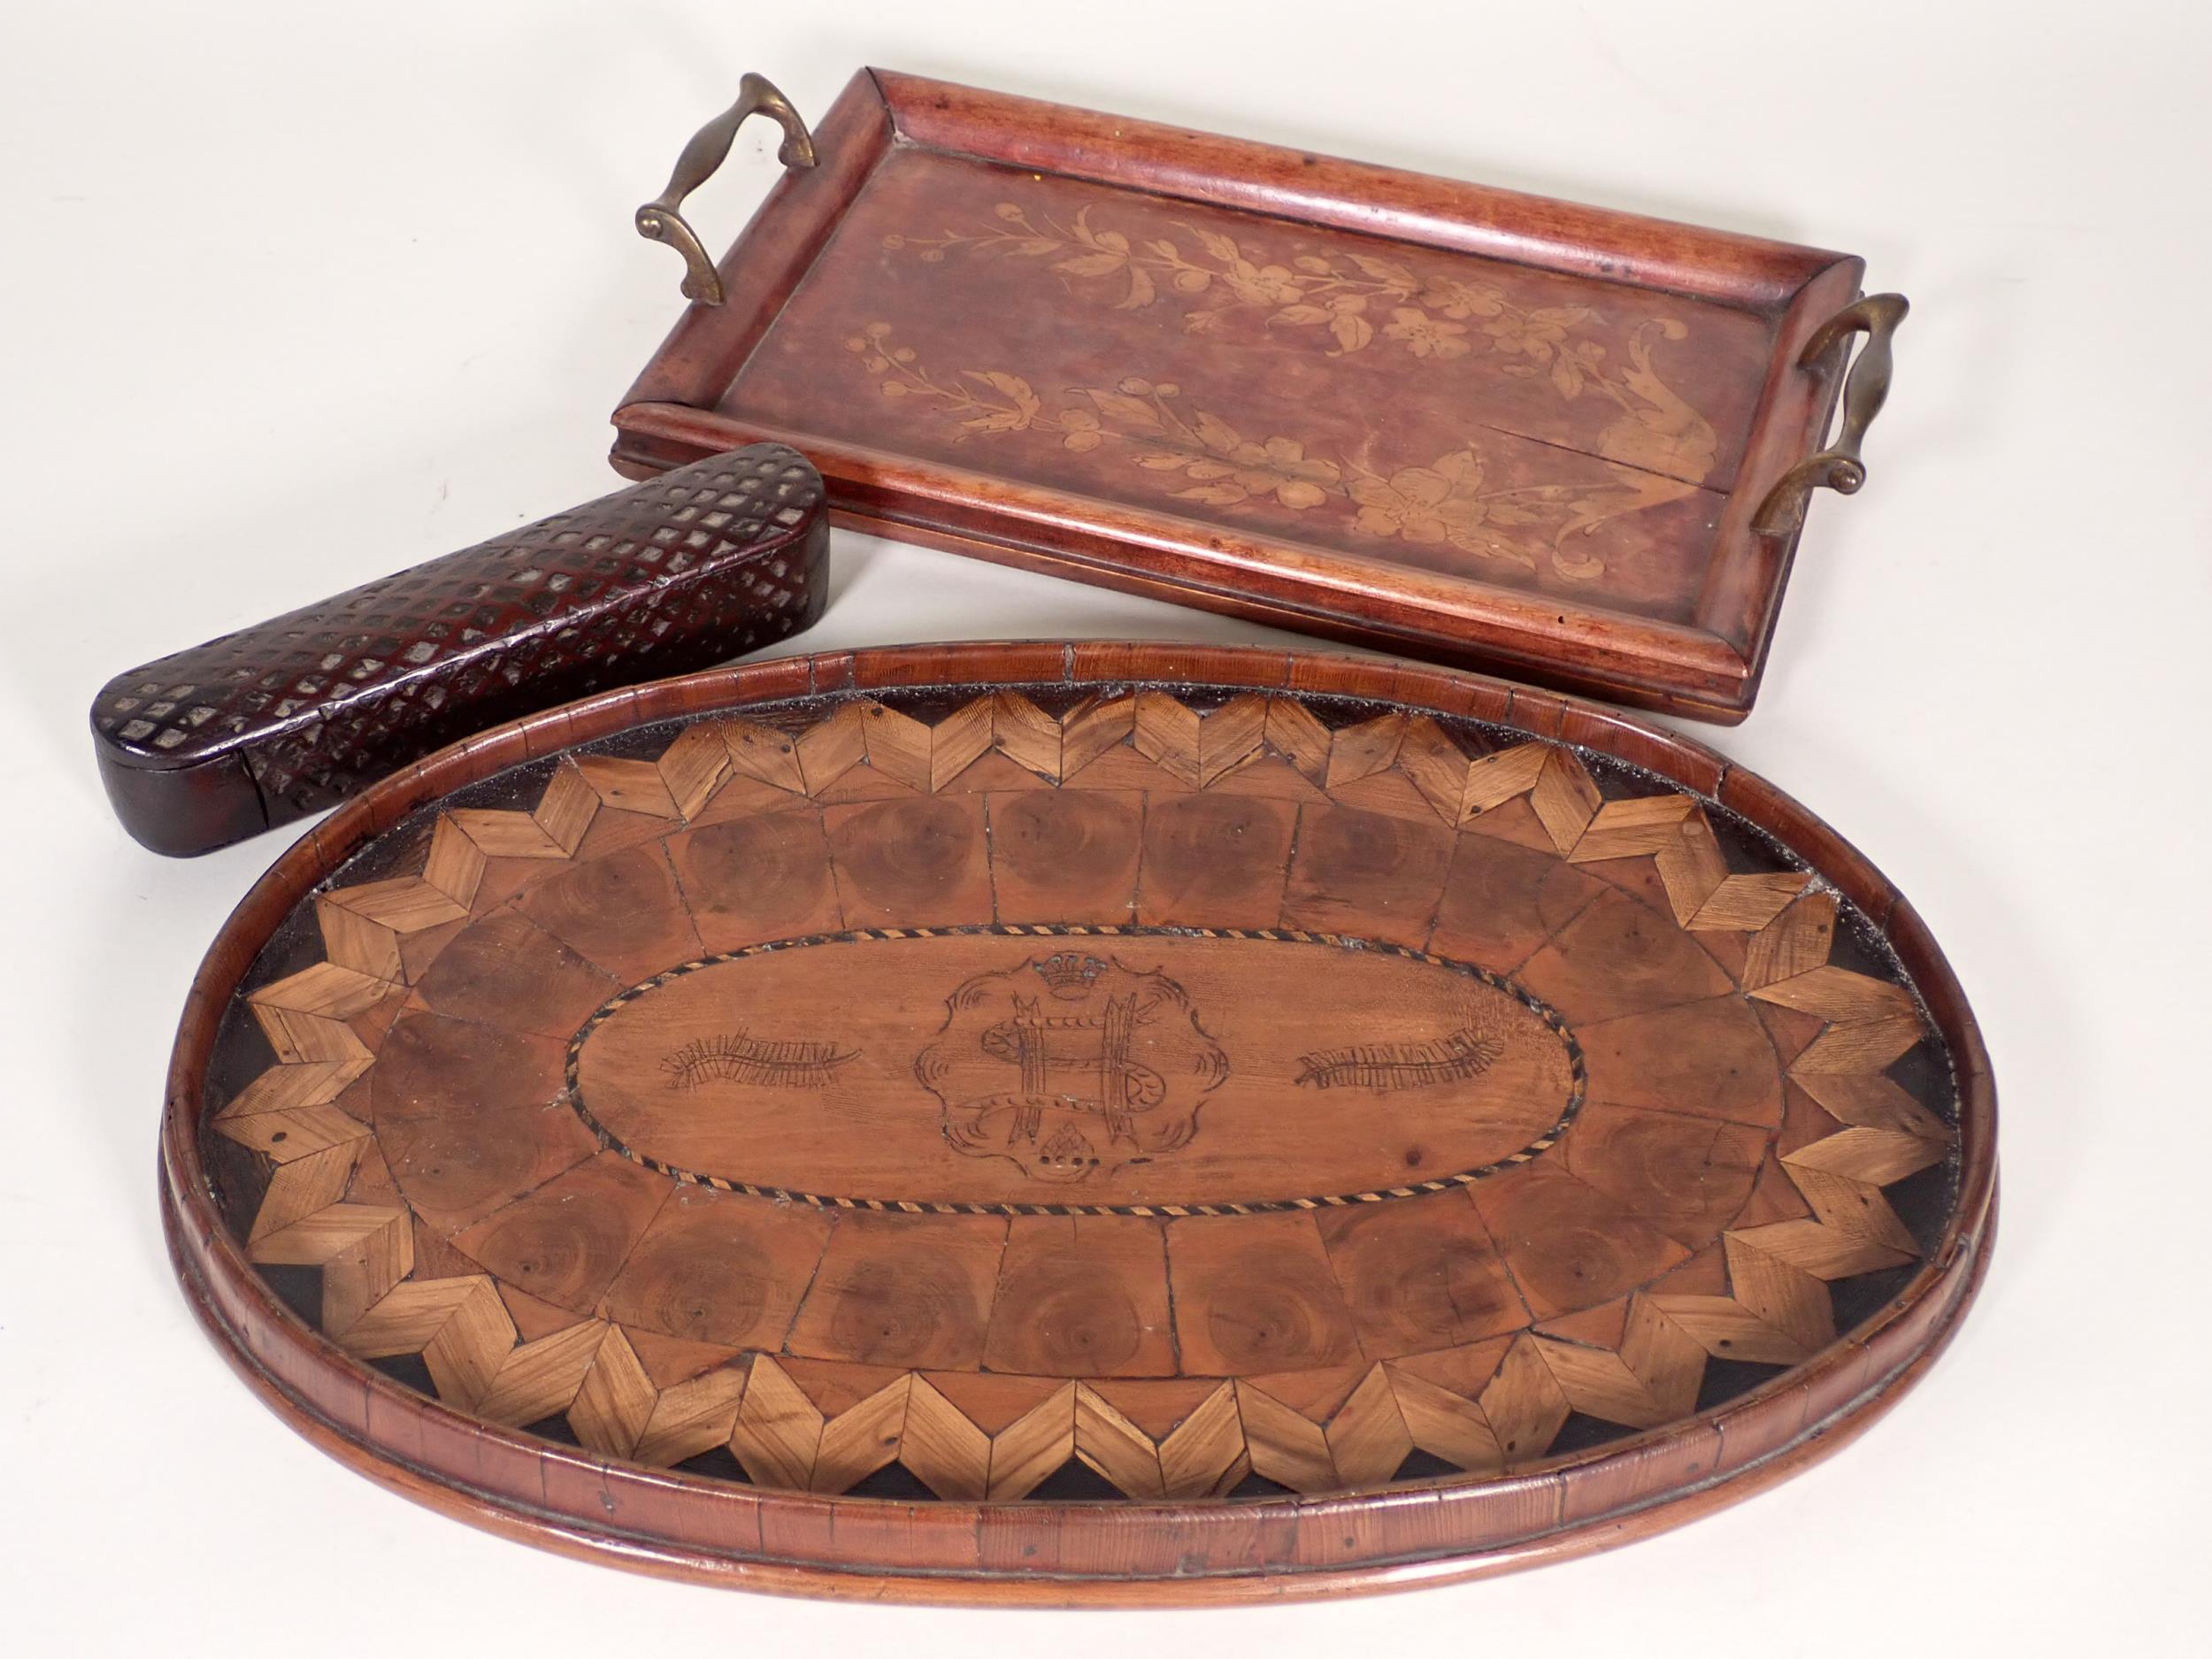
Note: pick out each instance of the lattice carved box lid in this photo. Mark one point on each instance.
(1455, 422)
(1077, 1122)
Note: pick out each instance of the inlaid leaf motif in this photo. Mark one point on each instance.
(1200, 457)
(1351, 330)
(1022, 407)
(1079, 251)
(1120, 407)
(1658, 431)
(1435, 317)
(1387, 271)
(1216, 433)
(1214, 242)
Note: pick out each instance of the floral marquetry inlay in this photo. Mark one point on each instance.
(1338, 304)
(1291, 386)
(1196, 456)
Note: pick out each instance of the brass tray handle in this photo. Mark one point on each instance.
(660, 220)
(1839, 467)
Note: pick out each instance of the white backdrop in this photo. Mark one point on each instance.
(294, 294)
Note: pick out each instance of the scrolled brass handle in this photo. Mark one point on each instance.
(661, 218)
(1839, 466)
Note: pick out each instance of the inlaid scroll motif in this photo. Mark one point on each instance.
(1195, 454)
(1070, 1064)
(737, 1057)
(1384, 1066)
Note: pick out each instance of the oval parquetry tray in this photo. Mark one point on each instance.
(1077, 1122)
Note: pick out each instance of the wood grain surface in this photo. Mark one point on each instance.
(1472, 426)
(1077, 1123)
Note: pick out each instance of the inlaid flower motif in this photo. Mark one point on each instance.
(1223, 466)
(1425, 336)
(1405, 505)
(1262, 285)
(1538, 334)
(1427, 505)
(1281, 467)
(1457, 298)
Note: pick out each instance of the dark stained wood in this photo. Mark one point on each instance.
(1187, 1115)
(208, 746)
(1478, 427)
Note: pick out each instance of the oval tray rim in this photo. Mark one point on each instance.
(1401, 1537)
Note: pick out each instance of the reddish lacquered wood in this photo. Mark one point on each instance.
(1301, 515)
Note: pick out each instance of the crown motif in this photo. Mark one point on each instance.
(1068, 973)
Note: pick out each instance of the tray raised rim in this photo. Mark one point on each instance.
(688, 1526)
(1708, 668)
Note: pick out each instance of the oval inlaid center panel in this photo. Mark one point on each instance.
(1045, 1071)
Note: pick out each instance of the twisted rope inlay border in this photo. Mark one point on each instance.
(573, 1092)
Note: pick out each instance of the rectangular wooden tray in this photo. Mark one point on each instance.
(1453, 422)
